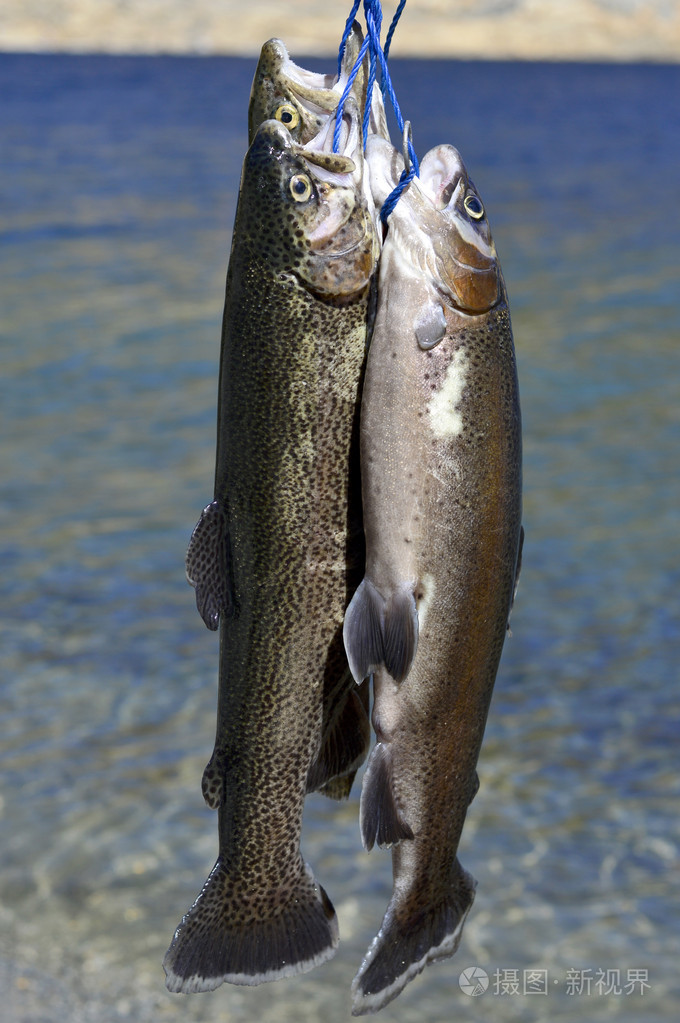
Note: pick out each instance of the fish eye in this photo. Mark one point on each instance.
(473, 205)
(288, 115)
(300, 187)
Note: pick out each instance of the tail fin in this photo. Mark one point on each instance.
(222, 939)
(409, 939)
(379, 631)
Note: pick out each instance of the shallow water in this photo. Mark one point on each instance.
(118, 188)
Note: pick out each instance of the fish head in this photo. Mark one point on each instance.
(306, 209)
(302, 100)
(466, 258)
(440, 225)
(283, 91)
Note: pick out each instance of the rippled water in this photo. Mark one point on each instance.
(117, 196)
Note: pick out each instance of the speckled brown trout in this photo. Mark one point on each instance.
(269, 554)
(441, 481)
(305, 102)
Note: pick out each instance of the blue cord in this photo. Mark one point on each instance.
(345, 34)
(395, 20)
(348, 88)
(373, 15)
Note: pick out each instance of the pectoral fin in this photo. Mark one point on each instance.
(207, 565)
(379, 631)
(430, 327)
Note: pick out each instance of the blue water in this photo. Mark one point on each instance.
(118, 181)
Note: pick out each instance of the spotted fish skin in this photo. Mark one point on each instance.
(293, 349)
(441, 481)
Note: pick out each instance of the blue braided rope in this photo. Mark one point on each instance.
(378, 55)
(345, 34)
(348, 88)
(369, 94)
(390, 33)
(373, 25)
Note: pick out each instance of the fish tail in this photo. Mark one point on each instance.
(379, 817)
(379, 631)
(222, 939)
(411, 936)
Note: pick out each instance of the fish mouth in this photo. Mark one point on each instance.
(340, 240)
(319, 93)
(313, 89)
(336, 167)
(339, 177)
(444, 179)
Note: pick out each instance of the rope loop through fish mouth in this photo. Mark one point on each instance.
(378, 55)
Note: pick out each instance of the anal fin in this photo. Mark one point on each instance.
(380, 819)
(207, 565)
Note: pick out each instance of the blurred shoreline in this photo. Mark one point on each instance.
(586, 30)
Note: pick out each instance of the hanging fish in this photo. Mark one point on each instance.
(269, 555)
(441, 481)
(305, 102)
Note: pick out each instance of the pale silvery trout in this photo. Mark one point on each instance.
(268, 555)
(441, 483)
